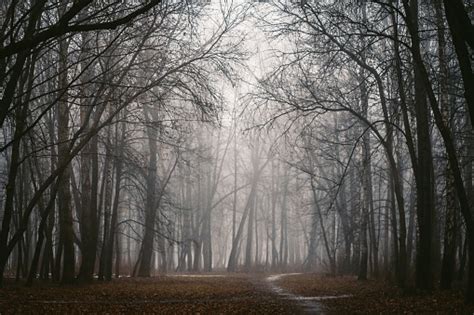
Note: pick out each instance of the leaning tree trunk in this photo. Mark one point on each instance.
(317, 210)
(233, 257)
(462, 33)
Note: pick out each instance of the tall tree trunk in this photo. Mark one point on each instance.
(150, 202)
(284, 222)
(234, 203)
(14, 167)
(257, 247)
(64, 194)
(187, 221)
(274, 195)
(366, 181)
(367, 202)
(41, 235)
(411, 224)
(317, 210)
(105, 200)
(206, 224)
(233, 257)
(449, 252)
(88, 221)
(250, 231)
(10, 190)
(424, 182)
(119, 144)
(48, 256)
(310, 263)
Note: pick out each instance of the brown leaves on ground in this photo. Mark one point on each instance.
(229, 294)
(223, 294)
(372, 296)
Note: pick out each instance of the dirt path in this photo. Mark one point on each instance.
(226, 294)
(174, 294)
(347, 295)
(309, 305)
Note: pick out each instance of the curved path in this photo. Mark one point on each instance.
(309, 305)
(171, 294)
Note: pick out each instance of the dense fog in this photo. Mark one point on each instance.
(142, 138)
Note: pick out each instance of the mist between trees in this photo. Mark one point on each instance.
(146, 137)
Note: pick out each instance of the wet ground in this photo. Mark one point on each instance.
(347, 295)
(174, 294)
(226, 294)
(307, 304)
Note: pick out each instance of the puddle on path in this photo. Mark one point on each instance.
(310, 304)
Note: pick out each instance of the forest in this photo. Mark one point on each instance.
(236, 156)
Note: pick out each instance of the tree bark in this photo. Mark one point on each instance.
(88, 221)
(462, 33)
(66, 229)
(111, 237)
(150, 202)
(449, 252)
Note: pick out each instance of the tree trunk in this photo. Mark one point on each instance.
(66, 229)
(250, 230)
(284, 223)
(317, 210)
(233, 257)
(462, 33)
(449, 252)
(424, 182)
(105, 202)
(88, 221)
(150, 203)
(120, 143)
(273, 205)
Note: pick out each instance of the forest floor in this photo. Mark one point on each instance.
(224, 294)
(347, 295)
